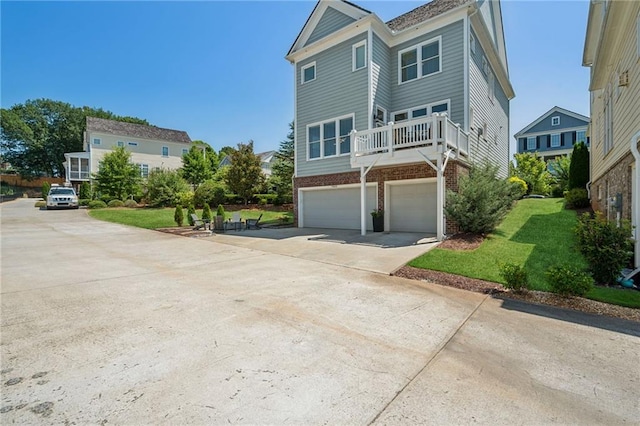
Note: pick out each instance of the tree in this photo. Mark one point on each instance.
(35, 135)
(117, 177)
(579, 169)
(195, 168)
(178, 215)
(559, 169)
(85, 191)
(533, 170)
(210, 155)
(283, 166)
(244, 174)
(165, 188)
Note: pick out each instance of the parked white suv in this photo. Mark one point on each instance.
(62, 197)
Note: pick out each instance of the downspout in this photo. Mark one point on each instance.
(636, 199)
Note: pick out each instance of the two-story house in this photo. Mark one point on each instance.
(389, 115)
(553, 134)
(151, 147)
(266, 161)
(612, 51)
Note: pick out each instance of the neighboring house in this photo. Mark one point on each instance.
(425, 94)
(553, 134)
(151, 147)
(612, 50)
(266, 160)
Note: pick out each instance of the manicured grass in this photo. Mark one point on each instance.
(537, 234)
(163, 218)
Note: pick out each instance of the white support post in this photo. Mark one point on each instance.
(363, 201)
(390, 137)
(440, 200)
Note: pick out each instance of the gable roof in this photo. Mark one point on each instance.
(424, 12)
(121, 128)
(554, 110)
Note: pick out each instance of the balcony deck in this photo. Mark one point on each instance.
(408, 142)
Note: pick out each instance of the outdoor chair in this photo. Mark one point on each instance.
(254, 223)
(199, 223)
(235, 223)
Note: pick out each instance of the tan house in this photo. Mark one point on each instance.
(151, 147)
(612, 51)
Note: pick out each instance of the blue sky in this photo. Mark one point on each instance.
(217, 69)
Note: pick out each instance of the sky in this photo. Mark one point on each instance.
(216, 69)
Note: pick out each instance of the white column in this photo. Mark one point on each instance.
(440, 200)
(363, 201)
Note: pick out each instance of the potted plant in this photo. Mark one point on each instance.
(378, 220)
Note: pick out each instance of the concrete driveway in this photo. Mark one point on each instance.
(103, 323)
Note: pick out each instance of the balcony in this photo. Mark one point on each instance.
(408, 142)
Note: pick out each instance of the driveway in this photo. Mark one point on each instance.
(103, 323)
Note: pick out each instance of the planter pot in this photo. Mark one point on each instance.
(218, 223)
(378, 224)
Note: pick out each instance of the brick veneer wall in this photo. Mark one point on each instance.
(618, 178)
(381, 175)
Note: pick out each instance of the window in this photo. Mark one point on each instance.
(421, 111)
(419, 61)
(144, 170)
(472, 43)
(608, 117)
(185, 151)
(555, 140)
(308, 72)
(491, 87)
(165, 151)
(380, 117)
(120, 143)
(555, 121)
(132, 143)
(359, 52)
(485, 65)
(97, 141)
(581, 136)
(531, 144)
(330, 138)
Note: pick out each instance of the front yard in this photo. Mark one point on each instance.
(537, 233)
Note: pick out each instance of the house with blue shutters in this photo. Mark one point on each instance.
(553, 134)
(389, 114)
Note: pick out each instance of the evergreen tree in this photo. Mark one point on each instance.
(244, 174)
(191, 210)
(206, 212)
(283, 166)
(579, 169)
(178, 215)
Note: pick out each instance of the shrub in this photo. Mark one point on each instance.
(220, 210)
(178, 215)
(84, 202)
(164, 187)
(206, 212)
(556, 191)
(515, 277)
(210, 192)
(606, 247)
(482, 200)
(115, 203)
(185, 199)
(41, 203)
(518, 186)
(569, 281)
(97, 204)
(85, 191)
(46, 186)
(130, 203)
(577, 198)
(579, 168)
(191, 210)
(266, 198)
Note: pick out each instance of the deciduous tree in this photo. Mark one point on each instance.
(533, 170)
(195, 168)
(244, 174)
(117, 177)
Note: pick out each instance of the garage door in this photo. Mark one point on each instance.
(337, 208)
(412, 207)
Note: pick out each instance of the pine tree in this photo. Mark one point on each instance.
(579, 169)
(282, 169)
(178, 215)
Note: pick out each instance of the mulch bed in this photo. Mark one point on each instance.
(462, 242)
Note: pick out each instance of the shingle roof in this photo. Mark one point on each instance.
(121, 128)
(424, 12)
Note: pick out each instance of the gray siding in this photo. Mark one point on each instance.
(566, 122)
(331, 21)
(494, 145)
(381, 75)
(486, 11)
(543, 142)
(448, 84)
(335, 92)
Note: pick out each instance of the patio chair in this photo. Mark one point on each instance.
(235, 223)
(254, 223)
(199, 223)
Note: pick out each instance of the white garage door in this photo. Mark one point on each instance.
(337, 208)
(412, 207)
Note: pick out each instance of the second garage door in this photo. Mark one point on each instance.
(337, 208)
(412, 206)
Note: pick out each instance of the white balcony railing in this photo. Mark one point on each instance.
(435, 133)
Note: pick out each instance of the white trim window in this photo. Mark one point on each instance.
(308, 73)
(120, 143)
(422, 111)
(581, 136)
(380, 117)
(491, 87)
(144, 170)
(485, 65)
(419, 61)
(531, 144)
(165, 151)
(555, 121)
(555, 140)
(359, 55)
(330, 138)
(472, 43)
(185, 151)
(608, 121)
(97, 141)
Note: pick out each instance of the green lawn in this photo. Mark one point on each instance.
(537, 233)
(163, 218)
